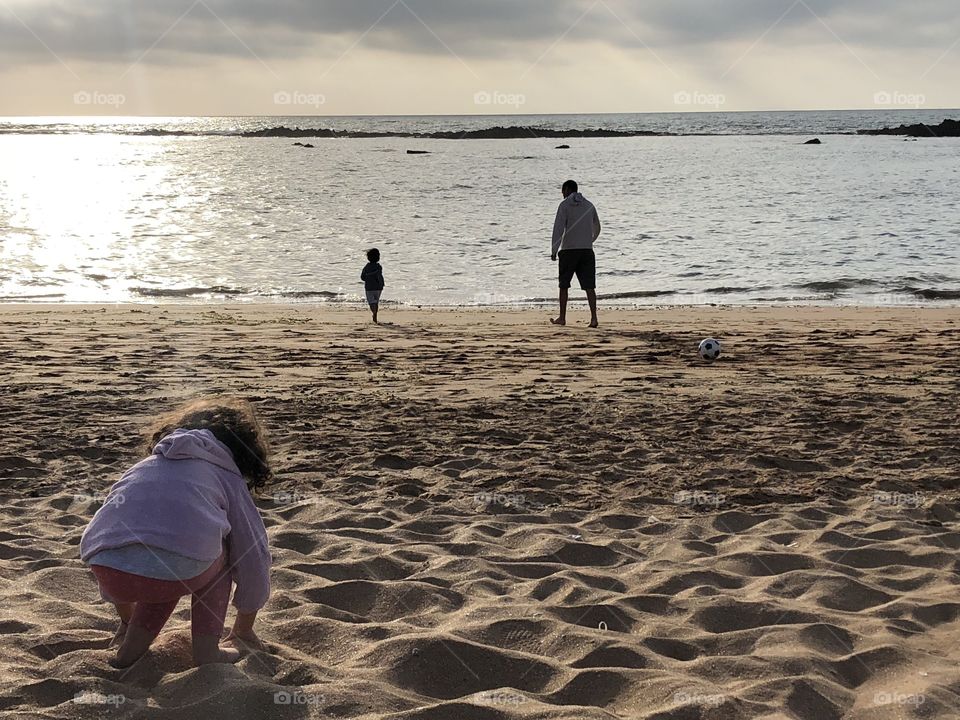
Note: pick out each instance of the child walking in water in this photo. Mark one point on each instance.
(372, 277)
(183, 522)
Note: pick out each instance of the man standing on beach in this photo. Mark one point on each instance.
(576, 229)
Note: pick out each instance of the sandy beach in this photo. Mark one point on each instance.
(478, 516)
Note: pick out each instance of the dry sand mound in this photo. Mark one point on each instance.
(455, 541)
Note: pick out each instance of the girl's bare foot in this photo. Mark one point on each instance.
(119, 635)
(207, 651)
(594, 323)
(246, 642)
(558, 321)
(136, 642)
(225, 656)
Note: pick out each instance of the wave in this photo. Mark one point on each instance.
(932, 294)
(187, 292)
(305, 294)
(837, 287)
(31, 298)
(223, 290)
(725, 290)
(637, 294)
(832, 286)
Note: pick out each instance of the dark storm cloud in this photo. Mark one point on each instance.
(123, 30)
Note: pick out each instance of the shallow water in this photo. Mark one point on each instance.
(726, 218)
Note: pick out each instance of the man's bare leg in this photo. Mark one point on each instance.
(592, 299)
(375, 309)
(562, 320)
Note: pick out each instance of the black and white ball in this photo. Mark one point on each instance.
(709, 349)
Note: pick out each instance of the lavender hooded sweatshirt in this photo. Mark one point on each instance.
(188, 498)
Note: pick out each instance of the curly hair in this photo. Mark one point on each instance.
(233, 422)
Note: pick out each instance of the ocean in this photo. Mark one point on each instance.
(697, 208)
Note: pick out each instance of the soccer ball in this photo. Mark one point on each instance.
(709, 349)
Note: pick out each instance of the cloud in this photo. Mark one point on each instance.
(178, 31)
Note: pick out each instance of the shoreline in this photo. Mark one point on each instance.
(539, 306)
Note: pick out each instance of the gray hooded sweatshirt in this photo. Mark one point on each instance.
(577, 225)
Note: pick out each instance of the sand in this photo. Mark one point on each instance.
(481, 517)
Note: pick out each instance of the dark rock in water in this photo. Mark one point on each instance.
(492, 133)
(303, 145)
(563, 147)
(815, 141)
(418, 152)
(948, 128)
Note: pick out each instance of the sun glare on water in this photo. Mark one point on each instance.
(69, 204)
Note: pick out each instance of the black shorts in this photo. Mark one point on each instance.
(583, 264)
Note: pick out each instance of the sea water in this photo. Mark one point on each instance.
(713, 208)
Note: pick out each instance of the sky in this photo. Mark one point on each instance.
(402, 57)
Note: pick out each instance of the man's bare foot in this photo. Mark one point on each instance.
(558, 321)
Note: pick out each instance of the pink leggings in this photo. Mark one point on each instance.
(156, 599)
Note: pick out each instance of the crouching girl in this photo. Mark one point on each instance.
(183, 522)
